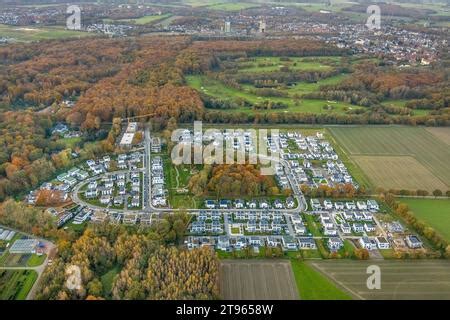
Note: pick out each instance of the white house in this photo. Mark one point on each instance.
(366, 243)
(361, 205)
(306, 243)
(358, 227)
(345, 227)
(413, 242)
(334, 243)
(382, 243)
(369, 227)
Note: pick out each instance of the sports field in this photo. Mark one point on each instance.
(397, 143)
(257, 280)
(435, 212)
(419, 279)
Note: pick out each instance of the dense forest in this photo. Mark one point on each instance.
(232, 180)
(142, 266)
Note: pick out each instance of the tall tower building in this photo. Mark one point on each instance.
(227, 27)
(262, 26)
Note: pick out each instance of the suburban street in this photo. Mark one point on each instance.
(147, 192)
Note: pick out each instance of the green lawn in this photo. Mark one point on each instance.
(35, 34)
(218, 90)
(435, 212)
(36, 260)
(15, 284)
(271, 64)
(70, 142)
(232, 6)
(108, 280)
(312, 285)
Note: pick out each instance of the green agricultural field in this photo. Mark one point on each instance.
(435, 212)
(377, 150)
(400, 279)
(25, 34)
(15, 284)
(312, 285)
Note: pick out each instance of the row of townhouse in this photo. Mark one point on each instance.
(369, 205)
(99, 166)
(252, 204)
(264, 226)
(158, 184)
(257, 215)
(209, 215)
(226, 243)
(338, 173)
(63, 217)
(297, 224)
(281, 177)
(199, 227)
(100, 216)
(370, 243)
(129, 161)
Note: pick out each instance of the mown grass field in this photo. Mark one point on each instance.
(435, 212)
(271, 64)
(414, 279)
(35, 34)
(232, 6)
(429, 154)
(15, 284)
(314, 286)
(36, 260)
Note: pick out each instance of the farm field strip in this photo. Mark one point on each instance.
(257, 280)
(441, 133)
(399, 172)
(399, 279)
(428, 150)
